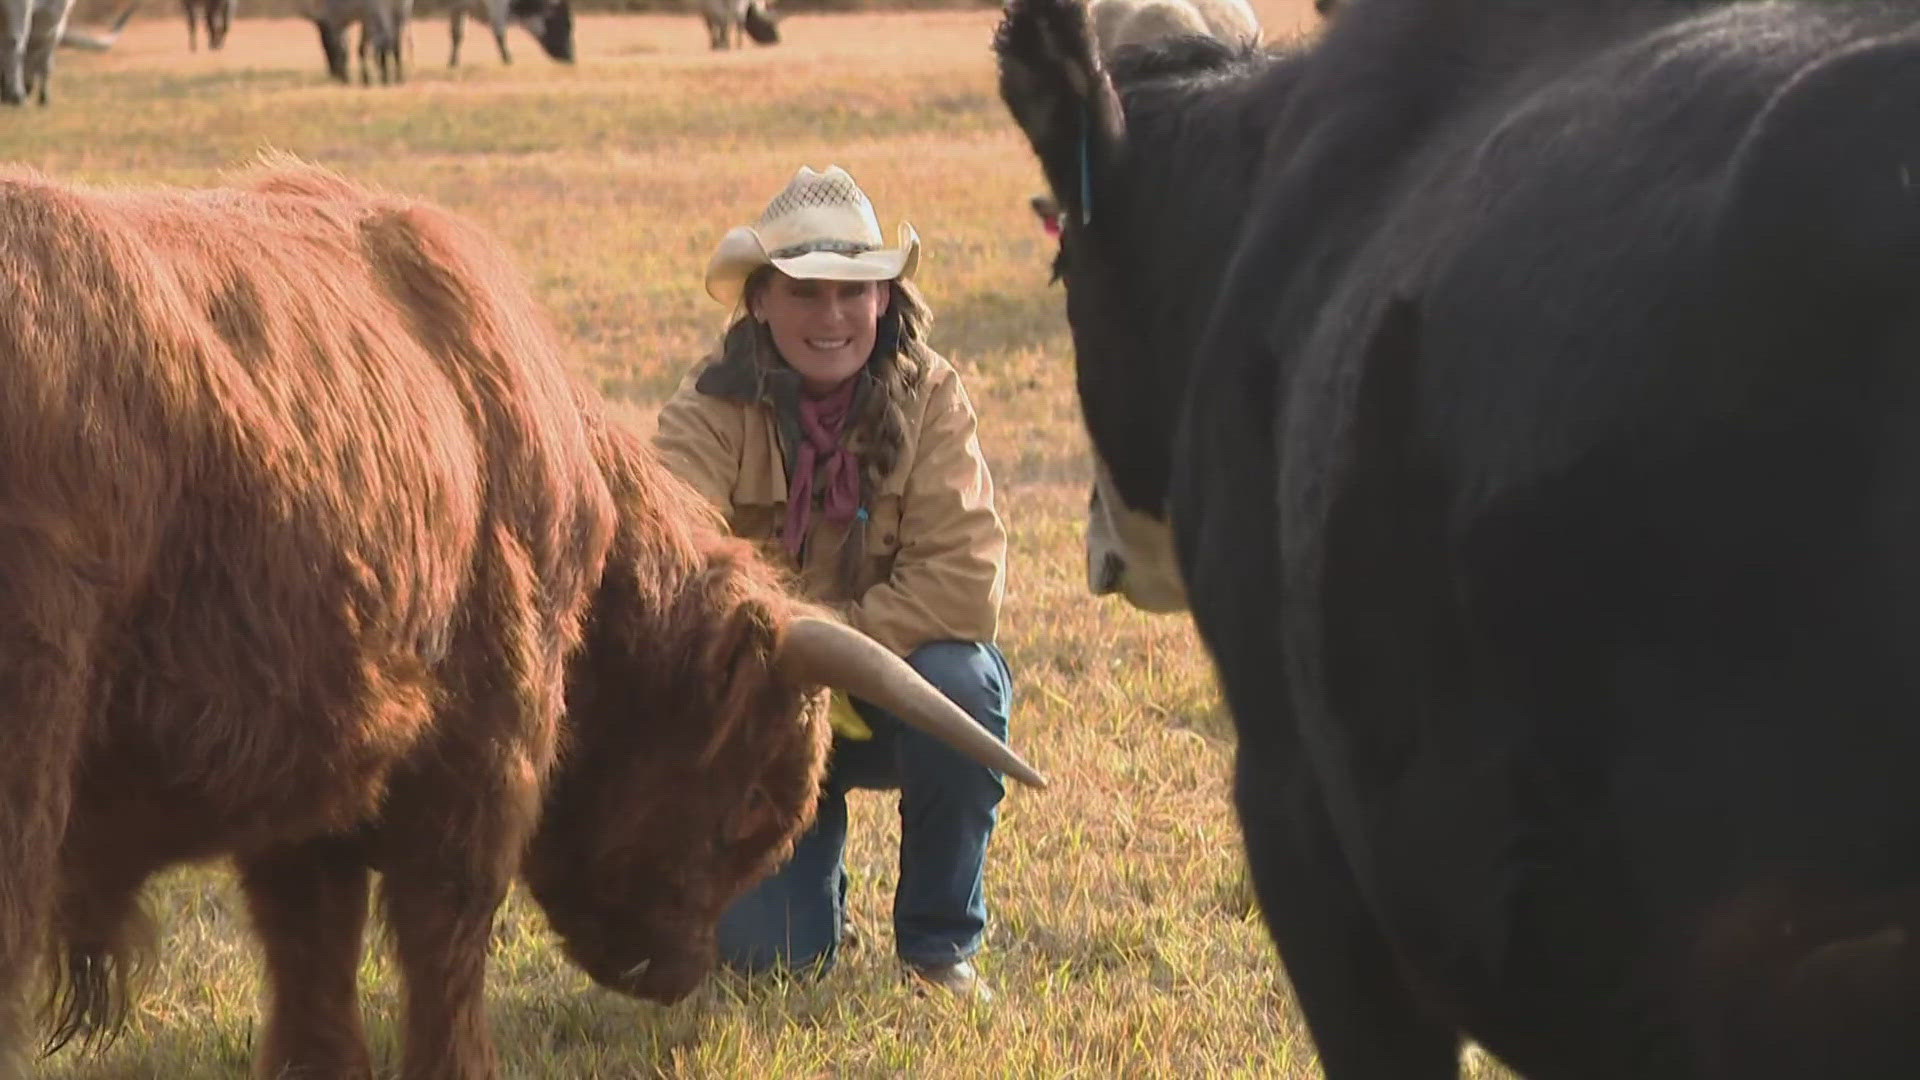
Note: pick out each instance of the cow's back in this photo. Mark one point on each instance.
(311, 443)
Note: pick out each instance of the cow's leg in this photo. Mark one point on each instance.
(399, 50)
(457, 29)
(309, 907)
(193, 26)
(49, 619)
(440, 900)
(101, 935)
(500, 40)
(1364, 1017)
(333, 45)
(38, 63)
(13, 48)
(453, 826)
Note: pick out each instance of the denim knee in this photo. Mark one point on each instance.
(973, 675)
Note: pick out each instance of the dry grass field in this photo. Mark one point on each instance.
(1124, 941)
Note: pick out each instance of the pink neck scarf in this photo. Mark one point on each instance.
(821, 449)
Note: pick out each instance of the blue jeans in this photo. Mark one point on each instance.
(948, 808)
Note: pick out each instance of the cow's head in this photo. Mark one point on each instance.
(696, 738)
(1135, 263)
(759, 22)
(549, 21)
(690, 770)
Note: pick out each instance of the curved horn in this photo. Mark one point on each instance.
(817, 652)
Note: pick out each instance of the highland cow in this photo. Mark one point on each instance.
(315, 559)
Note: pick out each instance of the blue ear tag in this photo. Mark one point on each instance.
(860, 515)
(1086, 168)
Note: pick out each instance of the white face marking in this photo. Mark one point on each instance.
(1129, 552)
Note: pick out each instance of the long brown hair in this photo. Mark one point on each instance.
(877, 431)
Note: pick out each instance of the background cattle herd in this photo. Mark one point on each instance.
(34, 26)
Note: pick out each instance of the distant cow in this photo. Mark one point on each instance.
(316, 559)
(31, 30)
(728, 20)
(383, 30)
(217, 14)
(549, 21)
(1531, 391)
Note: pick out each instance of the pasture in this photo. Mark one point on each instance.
(1124, 941)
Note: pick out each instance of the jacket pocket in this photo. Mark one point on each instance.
(756, 521)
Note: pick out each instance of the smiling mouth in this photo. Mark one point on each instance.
(828, 344)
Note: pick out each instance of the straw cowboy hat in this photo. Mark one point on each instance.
(822, 227)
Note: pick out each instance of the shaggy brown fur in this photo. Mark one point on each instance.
(300, 519)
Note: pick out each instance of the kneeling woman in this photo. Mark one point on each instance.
(827, 427)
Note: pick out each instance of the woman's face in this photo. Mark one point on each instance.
(823, 329)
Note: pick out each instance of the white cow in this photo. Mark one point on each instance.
(728, 20)
(1117, 23)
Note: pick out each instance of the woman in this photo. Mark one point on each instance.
(826, 427)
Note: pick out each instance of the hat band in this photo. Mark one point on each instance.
(839, 247)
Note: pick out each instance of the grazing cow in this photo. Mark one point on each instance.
(217, 14)
(549, 21)
(728, 20)
(1530, 386)
(316, 559)
(383, 29)
(32, 28)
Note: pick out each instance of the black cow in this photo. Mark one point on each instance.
(1533, 388)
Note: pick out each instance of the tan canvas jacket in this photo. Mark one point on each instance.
(936, 548)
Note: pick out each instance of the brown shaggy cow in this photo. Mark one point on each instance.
(312, 556)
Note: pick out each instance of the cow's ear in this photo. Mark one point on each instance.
(1048, 211)
(1054, 84)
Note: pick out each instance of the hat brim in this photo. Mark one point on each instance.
(741, 253)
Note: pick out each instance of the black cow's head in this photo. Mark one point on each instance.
(549, 21)
(1134, 260)
(760, 25)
